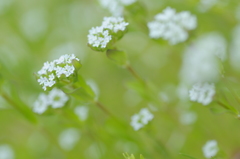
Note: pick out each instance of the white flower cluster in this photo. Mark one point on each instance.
(51, 71)
(200, 61)
(141, 119)
(202, 93)
(6, 152)
(100, 37)
(56, 99)
(172, 26)
(210, 149)
(116, 7)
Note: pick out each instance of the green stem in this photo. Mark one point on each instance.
(103, 108)
(133, 72)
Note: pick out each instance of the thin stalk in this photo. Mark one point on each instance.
(133, 72)
(103, 108)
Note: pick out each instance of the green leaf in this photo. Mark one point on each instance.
(117, 56)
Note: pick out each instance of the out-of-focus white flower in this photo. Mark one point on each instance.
(205, 5)
(202, 93)
(41, 104)
(141, 119)
(6, 152)
(210, 149)
(188, 118)
(81, 112)
(114, 24)
(200, 61)
(214, 44)
(69, 138)
(34, 24)
(172, 26)
(56, 69)
(116, 7)
(56, 99)
(112, 28)
(235, 47)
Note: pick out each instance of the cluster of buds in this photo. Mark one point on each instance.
(141, 119)
(102, 38)
(64, 68)
(172, 26)
(202, 93)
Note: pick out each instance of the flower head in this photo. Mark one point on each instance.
(101, 37)
(53, 71)
(41, 104)
(210, 149)
(116, 7)
(55, 99)
(202, 93)
(172, 26)
(141, 119)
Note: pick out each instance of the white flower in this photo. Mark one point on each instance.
(116, 7)
(81, 112)
(6, 152)
(41, 104)
(53, 70)
(200, 60)
(202, 93)
(57, 98)
(141, 119)
(210, 149)
(69, 138)
(99, 37)
(114, 23)
(172, 26)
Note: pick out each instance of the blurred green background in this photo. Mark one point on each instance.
(33, 32)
